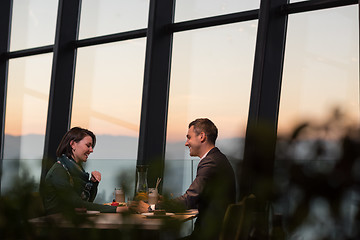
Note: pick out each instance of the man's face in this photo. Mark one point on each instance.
(193, 142)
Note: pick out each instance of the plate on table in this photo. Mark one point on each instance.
(188, 212)
(152, 215)
(92, 212)
(116, 204)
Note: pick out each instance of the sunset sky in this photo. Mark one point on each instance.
(211, 68)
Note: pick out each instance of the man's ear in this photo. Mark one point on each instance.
(202, 137)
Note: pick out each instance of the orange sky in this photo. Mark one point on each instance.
(211, 77)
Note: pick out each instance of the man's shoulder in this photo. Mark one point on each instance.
(214, 158)
(215, 154)
(218, 159)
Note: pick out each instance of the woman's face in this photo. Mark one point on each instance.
(82, 149)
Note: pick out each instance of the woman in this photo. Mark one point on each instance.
(67, 185)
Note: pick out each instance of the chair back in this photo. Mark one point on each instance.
(238, 220)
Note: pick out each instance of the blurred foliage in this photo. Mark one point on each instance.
(22, 203)
(317, 174)
(16, 207)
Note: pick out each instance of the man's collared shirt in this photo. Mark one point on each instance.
(205, 155)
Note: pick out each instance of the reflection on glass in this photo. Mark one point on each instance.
(192, 9)
(26, 112)
(107, 96)
(112, 16)
(33, 23)
(211, 77)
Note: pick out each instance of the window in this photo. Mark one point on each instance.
(107, 101)
(26, 112)
(211, 77)
(321, 69)
(112, 16)
(33, 23)
(193, 9)
(321, 73)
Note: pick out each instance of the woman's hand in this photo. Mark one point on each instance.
(135, 206)
(95, 176)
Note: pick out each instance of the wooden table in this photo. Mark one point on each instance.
(114, 220)
(117, 224)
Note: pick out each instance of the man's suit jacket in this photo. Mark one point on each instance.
(212, 190)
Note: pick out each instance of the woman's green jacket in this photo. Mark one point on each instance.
(67, 186)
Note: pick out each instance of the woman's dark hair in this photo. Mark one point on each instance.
(207, 126)
(75, 134)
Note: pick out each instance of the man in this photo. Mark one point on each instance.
(214, 186)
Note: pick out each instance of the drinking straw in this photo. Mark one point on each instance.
(157, 183)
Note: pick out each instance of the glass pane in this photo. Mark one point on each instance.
(107, 100)
(211, 77)
(26, 113)
(193, 9)
(115, 173)
(178, 173)
(33, 23)
(112, 16)
(321, 73)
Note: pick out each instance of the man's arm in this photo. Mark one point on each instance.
(191, 197)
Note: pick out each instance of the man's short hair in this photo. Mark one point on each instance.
(207, 126)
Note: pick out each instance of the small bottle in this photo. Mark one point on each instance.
(119, 195)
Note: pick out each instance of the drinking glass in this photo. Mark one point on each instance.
(153, 197)
(141, 183)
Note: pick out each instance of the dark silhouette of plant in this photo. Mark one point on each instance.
(317, 179)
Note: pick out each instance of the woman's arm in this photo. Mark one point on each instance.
(93, 191)
(67, 195)
(95, 179)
